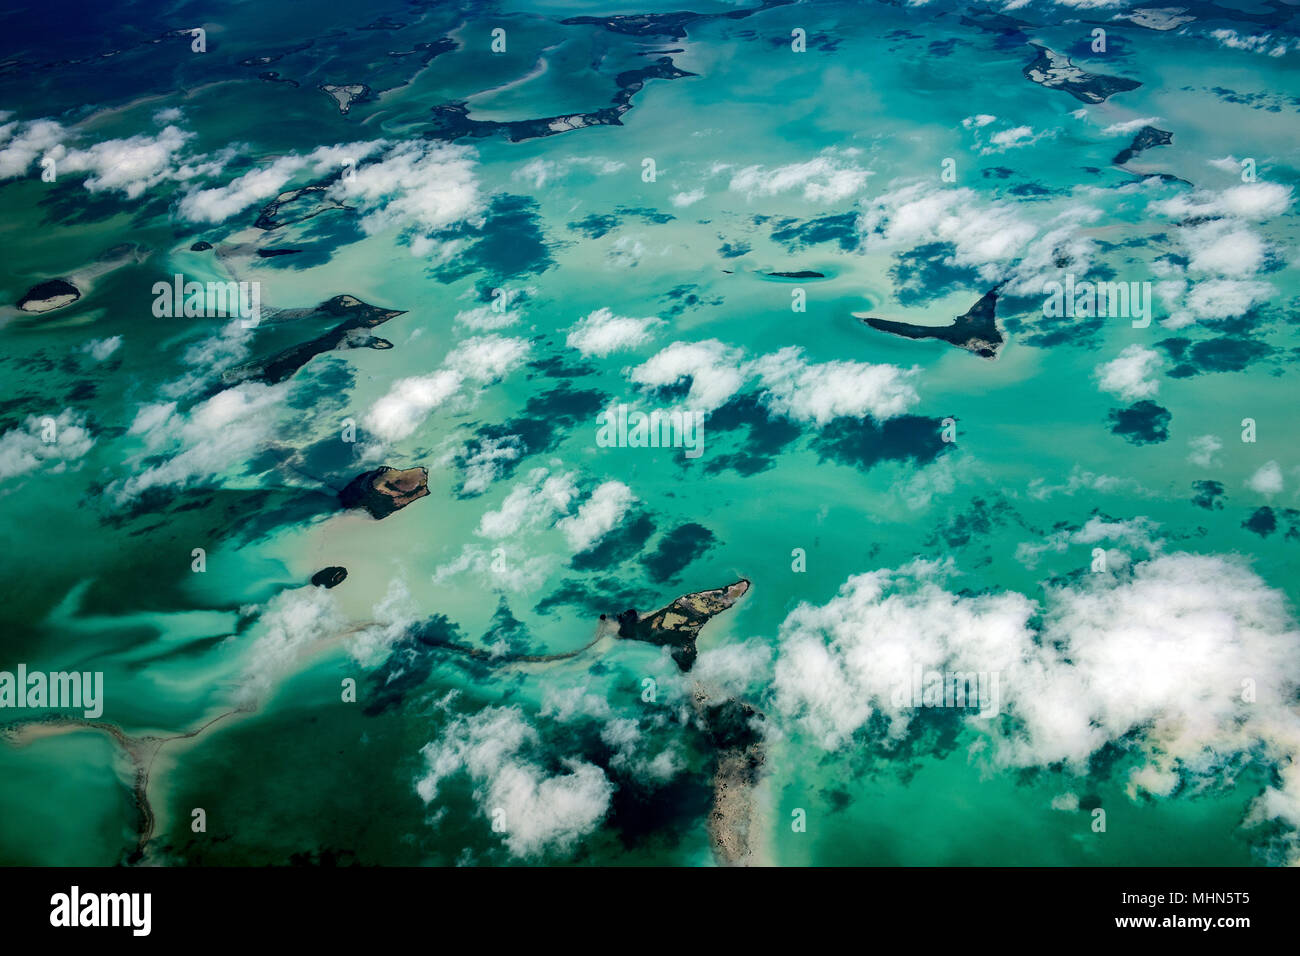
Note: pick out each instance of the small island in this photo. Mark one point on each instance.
(452, 120)
(385, 490)
(346, 95)
(329, 577)
(671, 25)
(975, 331)
(678, 625)
(49, 295)
(1147, 137)
(739, 755)
(352, 333)
(1057, 72)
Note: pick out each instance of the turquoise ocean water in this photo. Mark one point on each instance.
(766, 160)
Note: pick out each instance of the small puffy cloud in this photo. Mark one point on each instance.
(487, 358)
(536, 173)
(499, 568)
(216, 435)
(408, 402)
(1255, 200)
(714, 369)
(1129, 375)
(1251, 201)
(1129, 127)
(817, 393)
(790, 385)
(50, 443)
(485, 463)
(603, 332)
(978, 121)
(626, 252)
(484, 318)
(290, 626)
(1204, 451)
(539, 172)
(257, 185)
(1136, 533)
(391, 621)
(1083, 480)
(208, 358)
(624, 736)
(1267, 480)
(22, 143)
(567, 704)
(1223, 248)
(1258, 43)
(992, 237)
(1066, 802)
(1077, 4)
(102, 349)
(129, 166)
(417, 186)
(530, 505)
(1013, 138)
(734, 669)
(597, 516)
(688, 198)
(1213, 299)
(830, 177)
(502, 756)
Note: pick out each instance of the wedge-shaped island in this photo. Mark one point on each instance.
(975, 331)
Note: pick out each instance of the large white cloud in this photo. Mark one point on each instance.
(602, 332)
(291, 625)
(419, 186)
(598, 515)
(22, 143)
(1129, 374)
(996, 238)
(790, 385)
(715, 372)
(831, 177)
(391, 621)
(487, 358)
(408, 402)
(215, 436)
(25, 448)
(398, 413)
(531, 504)
(1251, 201)
(1186, 662)
(129, 166)
(1267, 479)
(1224, 253)
(536, 811)
(819, 392)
